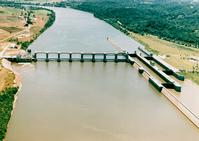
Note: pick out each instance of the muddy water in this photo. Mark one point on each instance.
(78, 31)
(94, 102)
(91, 101)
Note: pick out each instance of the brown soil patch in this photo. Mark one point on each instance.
(6, 79)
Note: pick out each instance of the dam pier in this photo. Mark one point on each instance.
(79, 56)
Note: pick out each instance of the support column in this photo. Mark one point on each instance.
(104, 58)
(35, 57)
(135, 52)
(140, 70)
(127, 56)
(58, 59)
(93, 57)
(70, 57)
(47, 57)
(82, 57)
(116, 58)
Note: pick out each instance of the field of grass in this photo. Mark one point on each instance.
(42, 18)
(9, 14)
(10, 29)
(192, 76)
(10, 22)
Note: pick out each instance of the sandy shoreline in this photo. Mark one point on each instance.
(7, 64)
(17, 83)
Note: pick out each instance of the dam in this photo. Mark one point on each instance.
(90, 101)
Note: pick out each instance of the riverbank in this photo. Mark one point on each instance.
(11, 45)
(38, 31)
(8, 97)
(18, 36)
(7, 77)
(6, 106)
(181, 57)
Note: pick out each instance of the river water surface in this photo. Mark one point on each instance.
(91, 101)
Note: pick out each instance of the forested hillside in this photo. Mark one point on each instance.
(176, 21)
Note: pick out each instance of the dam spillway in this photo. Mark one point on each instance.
(108, 57)
(80, 56)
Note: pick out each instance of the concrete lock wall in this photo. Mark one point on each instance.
(157, 85)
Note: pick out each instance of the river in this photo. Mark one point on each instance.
(91, 101)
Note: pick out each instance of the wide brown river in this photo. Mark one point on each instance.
(91, 101)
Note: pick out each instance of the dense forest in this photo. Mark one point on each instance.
(175, 21)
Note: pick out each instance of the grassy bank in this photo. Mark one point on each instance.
(177, 55)
(6, 106)
(192, 76)
(50, 21)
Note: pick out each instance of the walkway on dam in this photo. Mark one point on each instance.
(80, 56)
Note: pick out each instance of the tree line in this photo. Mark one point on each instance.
(6, 106)
(172, 21)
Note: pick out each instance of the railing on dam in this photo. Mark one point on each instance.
(80, 56)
